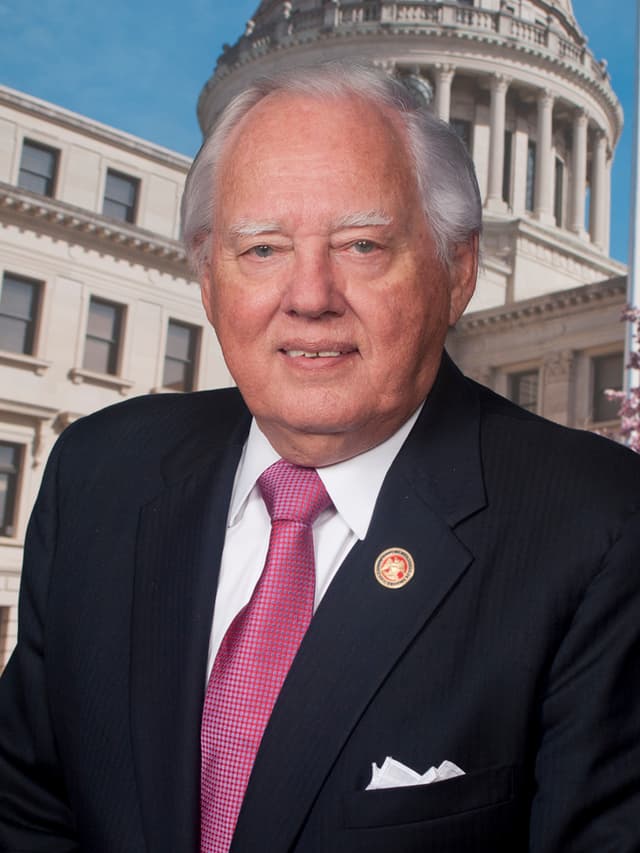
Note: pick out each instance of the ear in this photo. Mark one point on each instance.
(206, 288)
(464, 273)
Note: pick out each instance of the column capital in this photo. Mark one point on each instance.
(580, 116)
(388, 65)
(600, 135)
(546, 98)
(445, 69)
(499, 82)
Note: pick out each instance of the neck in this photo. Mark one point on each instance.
(320, 450)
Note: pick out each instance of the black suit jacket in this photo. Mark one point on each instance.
(513, 652)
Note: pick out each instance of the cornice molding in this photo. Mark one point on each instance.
(50, 216)
(96, 130)
(611, 292)
(500, 235)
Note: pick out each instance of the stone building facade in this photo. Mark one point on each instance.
(97, 303)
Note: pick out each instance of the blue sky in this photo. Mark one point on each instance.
(139, 65)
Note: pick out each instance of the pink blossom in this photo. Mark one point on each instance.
(629, 411)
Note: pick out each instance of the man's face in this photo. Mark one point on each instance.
(324, 287)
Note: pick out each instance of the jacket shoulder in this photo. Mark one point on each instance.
(160, 418)
(142, 439)
(532, 447)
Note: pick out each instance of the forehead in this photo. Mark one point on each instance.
(329, 148)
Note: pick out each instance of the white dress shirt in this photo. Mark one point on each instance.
(353, 486)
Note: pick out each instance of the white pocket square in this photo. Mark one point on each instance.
(394, 774)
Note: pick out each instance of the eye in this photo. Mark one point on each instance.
(364, 247)
(261, 251)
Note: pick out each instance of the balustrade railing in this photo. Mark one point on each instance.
(477, 18)
(412, 13)
(526, 31)
(346, 15)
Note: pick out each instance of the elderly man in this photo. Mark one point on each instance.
(363, 604)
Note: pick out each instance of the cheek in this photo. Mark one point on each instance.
(237, 315)
(408, 328)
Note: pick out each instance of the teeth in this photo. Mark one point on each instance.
(296, 353)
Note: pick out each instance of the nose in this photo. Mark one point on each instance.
(312, 289)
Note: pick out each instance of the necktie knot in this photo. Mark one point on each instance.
(293, 493)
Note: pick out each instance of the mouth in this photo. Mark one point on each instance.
(300, 353)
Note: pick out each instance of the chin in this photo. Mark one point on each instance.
(309, 425)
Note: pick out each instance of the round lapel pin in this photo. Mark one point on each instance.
(394, 568)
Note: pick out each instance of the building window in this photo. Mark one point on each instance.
(371, 12)
(19, 303)
(558, 201)
(607, 376)
(180, 356)
(531, 176)
(506, 166)
(120, 196)
(102, 342)
(523, 389)
(38, 168)
(462, 128)
(587, 206)
(4, 635)
(10, 462)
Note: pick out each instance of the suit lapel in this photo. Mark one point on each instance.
(361, 628)
(180, 540)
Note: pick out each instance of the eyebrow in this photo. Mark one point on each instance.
(249, 228)
(363, 219)
(358, 219)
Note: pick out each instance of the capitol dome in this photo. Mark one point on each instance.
(516, 80)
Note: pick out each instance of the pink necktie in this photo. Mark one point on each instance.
(258, 649)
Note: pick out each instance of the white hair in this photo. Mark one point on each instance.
(443, 168)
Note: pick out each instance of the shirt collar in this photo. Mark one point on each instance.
(353, 485)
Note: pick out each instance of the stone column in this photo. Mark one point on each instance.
(544, 165)
(499, 86)
(599, 190)
(442, 102)
(579, 174)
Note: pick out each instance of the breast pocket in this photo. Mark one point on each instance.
(392, 806)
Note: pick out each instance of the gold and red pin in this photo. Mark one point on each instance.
(394, 568)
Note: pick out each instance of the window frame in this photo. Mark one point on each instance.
(131, 210)
(33, 322)
(194, 353)
(9, 518)
(507, 166)
(52, 180)
(530, 176)
(514, 378)
(116, 342)
(600, 400)
(558, 191)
